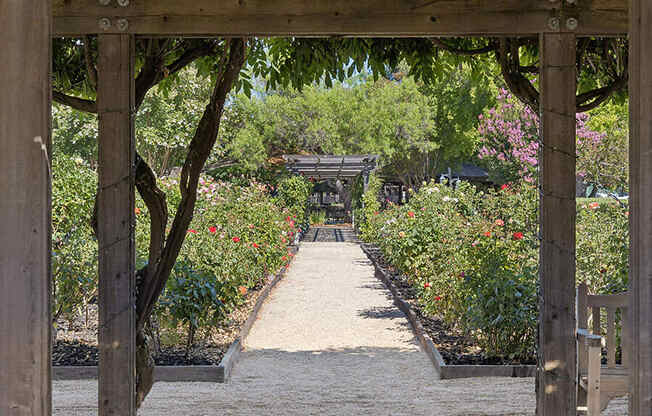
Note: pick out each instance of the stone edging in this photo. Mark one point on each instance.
(210, 373)
(445, 371)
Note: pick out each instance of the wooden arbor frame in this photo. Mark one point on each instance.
(331, 167)
(26, 27)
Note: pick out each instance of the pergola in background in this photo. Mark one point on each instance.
(322, 167)
(26, 31)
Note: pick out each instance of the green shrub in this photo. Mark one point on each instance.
(472, 258)
(318, 217)
(237, 237)
(293, 193)
(74, 248)
(370, 206)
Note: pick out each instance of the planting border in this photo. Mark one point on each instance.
(210, 373)
(445, 371)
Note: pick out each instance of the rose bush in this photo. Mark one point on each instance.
(472, 257)
(74, 249)
(238, 236)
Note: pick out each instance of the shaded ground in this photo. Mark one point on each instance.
(328, 341)
(321, 234)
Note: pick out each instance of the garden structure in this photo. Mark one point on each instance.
(331, 167)
(26, 29)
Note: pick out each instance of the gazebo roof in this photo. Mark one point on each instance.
(330, 166)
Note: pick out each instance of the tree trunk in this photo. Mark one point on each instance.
(162, 256)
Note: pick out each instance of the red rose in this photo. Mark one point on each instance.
(213, 230)
(518, 235)
(254, 245)
(437, 297)
(504, 187)
(284, 258)
(192, 231)
(236, 239)
(487, 234)
(426, 285)
(411, 214)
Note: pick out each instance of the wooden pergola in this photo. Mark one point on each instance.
(26, 29)
(331, 166)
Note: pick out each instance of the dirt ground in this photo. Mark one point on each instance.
(328, 341)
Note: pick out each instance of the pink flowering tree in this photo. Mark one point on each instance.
(509, 140)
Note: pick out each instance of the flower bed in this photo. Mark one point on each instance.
(238, 237)
(470, 259)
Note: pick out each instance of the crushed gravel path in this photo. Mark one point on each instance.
(328, 341)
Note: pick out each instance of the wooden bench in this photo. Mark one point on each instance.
(598, 383)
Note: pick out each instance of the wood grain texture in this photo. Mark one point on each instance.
(556, 384)
(25, 387)
(640, 153)
(115, 101)
(340, 17)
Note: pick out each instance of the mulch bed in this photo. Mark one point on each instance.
(455, 348)
(77, 344)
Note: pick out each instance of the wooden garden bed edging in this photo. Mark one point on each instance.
(445, 371)
(190, 373)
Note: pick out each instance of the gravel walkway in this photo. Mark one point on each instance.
(329, 341)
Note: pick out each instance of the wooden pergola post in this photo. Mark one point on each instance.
(556, 382)
(25, 318)
(115, 213)
(640, 154)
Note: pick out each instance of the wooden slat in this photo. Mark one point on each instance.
(595, 315)
(115, 99)
(626, 337)
(613, 301)
(582, 323)
(611, 337)
(556, 393)
(593, 382)
(339, 17)
(25, 325)
(640, 153)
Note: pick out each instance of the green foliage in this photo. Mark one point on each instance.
(238, 236)
(417, 130)
(472, 257)
(167, 119)
(74, 133)
(370, 207)
(293, 194)
(317, 217)
(606, 163)
(74, 248)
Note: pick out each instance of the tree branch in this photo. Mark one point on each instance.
(80, 104)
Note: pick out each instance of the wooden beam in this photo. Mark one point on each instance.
(640, 154)
(556, 391)
(336, 17)
(117, 306)
(25, 320)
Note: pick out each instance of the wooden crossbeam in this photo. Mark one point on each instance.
(338, 17)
